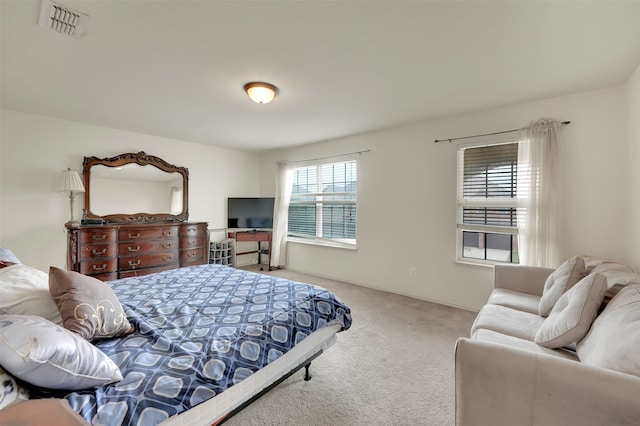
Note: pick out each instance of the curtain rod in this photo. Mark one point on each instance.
(332, 156)
(564, 123)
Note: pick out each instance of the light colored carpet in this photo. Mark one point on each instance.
(394, 366)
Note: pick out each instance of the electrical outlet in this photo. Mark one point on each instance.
(413, 272)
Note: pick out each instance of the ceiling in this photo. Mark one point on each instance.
(176, 69)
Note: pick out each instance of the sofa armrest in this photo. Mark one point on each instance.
(525, 279)
(501, 385)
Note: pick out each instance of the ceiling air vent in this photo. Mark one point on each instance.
(62, 19)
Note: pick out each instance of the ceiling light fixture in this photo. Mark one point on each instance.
(261, 93)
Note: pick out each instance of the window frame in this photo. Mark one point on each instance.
(319, 203)
(462, 202)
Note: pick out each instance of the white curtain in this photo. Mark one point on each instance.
(176, 200)
(284, 186)
(538, 196)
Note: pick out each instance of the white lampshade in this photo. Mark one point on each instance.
(70, 181)
(261, 93)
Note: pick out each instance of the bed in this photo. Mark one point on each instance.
(207, 340)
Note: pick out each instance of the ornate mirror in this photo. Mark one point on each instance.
(135, 188)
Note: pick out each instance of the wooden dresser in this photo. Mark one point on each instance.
(108, 252)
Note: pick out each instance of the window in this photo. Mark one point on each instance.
(323, 203)
(487, 221)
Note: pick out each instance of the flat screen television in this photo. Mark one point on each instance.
(253, 213)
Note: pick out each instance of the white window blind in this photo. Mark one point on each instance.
(487, 203)
(324, 203)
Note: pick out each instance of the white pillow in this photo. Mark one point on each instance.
(25, 291)
(614, 339)
(561, 280)
(11, 392)
(7, 257)
(44, 354)
(618, 276)
(573, 313)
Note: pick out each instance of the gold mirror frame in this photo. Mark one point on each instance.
(142, 159)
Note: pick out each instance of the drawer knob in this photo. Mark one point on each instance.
(167, 245)
(131, 263)
(167, 258)
(134, 236)
(133, 249)
(192, 254)
(98, 253)
(98, 268)
(191, 243)
(99, 237)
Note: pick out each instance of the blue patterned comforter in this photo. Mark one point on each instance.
(199, 331)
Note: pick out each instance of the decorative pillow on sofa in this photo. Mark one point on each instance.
(614, 339)
(25, 291)
(87, 305)
(618, 277)
(560, 280)
(573, 313)
(44, 354)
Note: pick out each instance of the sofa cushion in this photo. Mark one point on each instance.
(573, 313)
(562, 279)
(507, 321)
(515, 342)
(614, 339)
(515, 300)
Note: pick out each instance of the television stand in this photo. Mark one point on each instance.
(257, 236)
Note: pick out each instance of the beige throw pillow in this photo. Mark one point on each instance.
(618, 276)
(573, 314)
(614, 339)
(87, 305)
(560, 280)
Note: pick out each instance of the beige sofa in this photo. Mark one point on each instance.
(577, 364)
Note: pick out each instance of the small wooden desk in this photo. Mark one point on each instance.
(257, 236)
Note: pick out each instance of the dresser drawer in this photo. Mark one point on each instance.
(97, 251)
(147, 247)
(97, 235)
(189, 230)
(93, 267)
(191, 256)
(149, 261)
(136, 234)
(190, 242)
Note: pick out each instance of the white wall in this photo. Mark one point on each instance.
(633, 93)
(407, 196)
(34, 149)
(406, 210)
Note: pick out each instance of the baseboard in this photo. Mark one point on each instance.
(400, 293)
